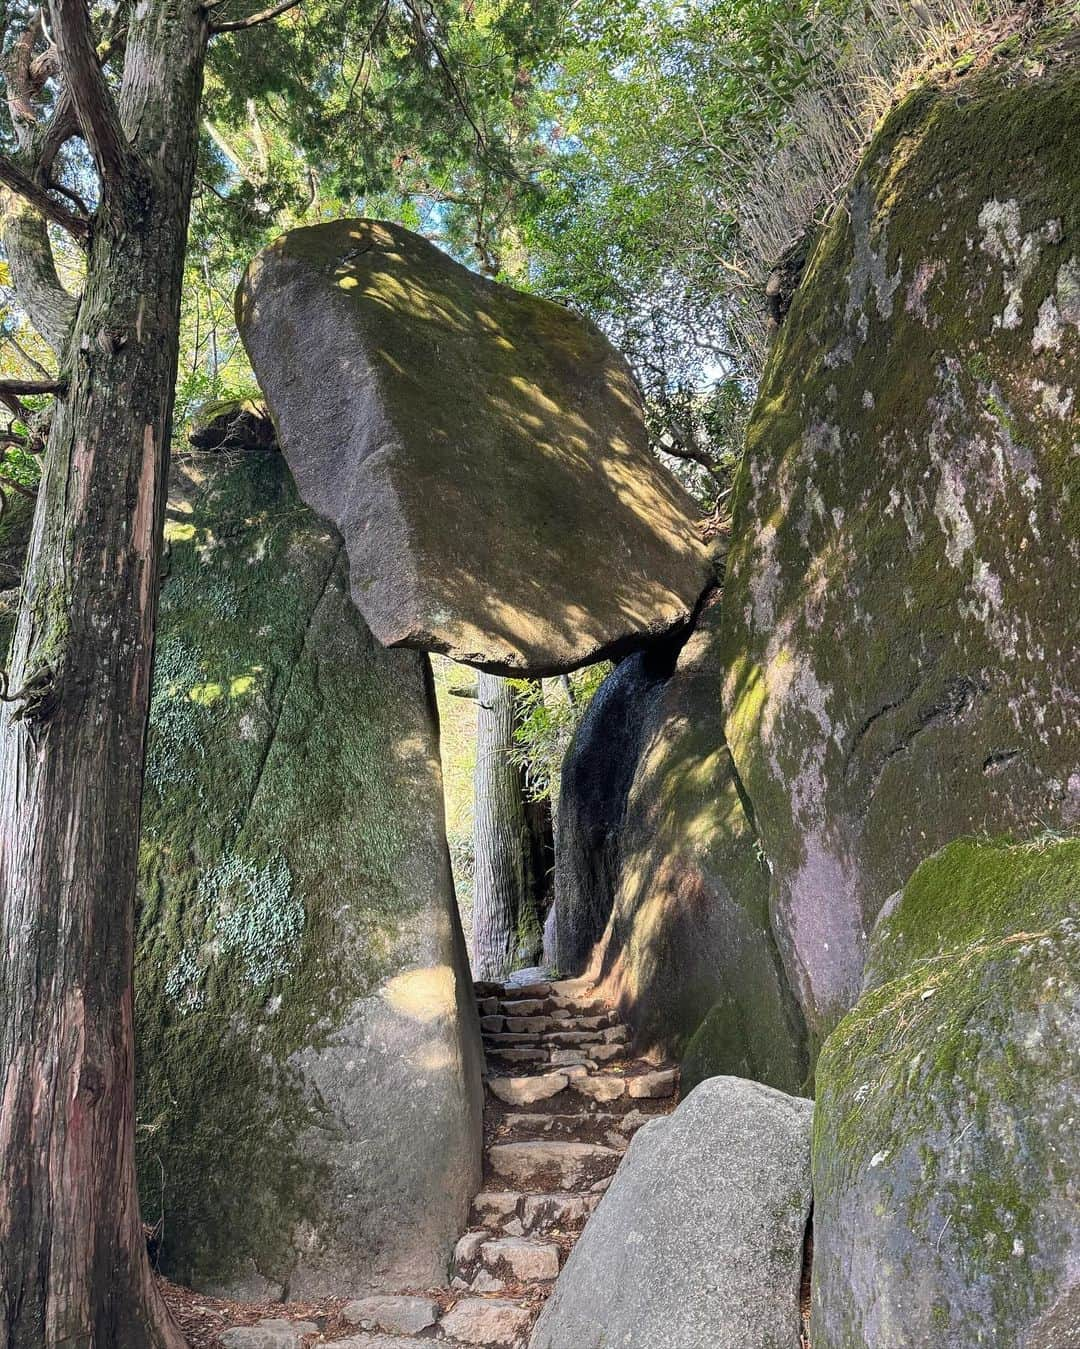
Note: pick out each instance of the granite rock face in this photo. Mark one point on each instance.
(689, 955)
(594, 786)
(309, 1059)
(482, 451)
(903, 581)
(699, 1239)
(946, 1147)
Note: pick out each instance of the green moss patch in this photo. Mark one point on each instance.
(278, 875)
(945, 1147)
(900, 583)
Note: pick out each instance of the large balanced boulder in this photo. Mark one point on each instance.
(902, 587)
(689, 955)
(482, 451)
(594, 784)
(699, 1241)
(946, 1146)
(308, 1075)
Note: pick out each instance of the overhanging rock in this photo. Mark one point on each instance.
(482, 451)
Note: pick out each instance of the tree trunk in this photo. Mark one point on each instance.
(509, 870)
(73, 1266)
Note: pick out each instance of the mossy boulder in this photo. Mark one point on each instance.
(946, 1147)
(482, 451)
(689, 954)
(902, 585)
(308, 1070)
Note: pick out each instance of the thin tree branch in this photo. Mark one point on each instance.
(19, 181)
(20, 81)
(30, 360)
(90, 94)
(19, 387)
(463, 104)
(263, 16)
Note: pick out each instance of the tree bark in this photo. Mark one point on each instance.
(509, 866)
(33, 271)
(73, 1266)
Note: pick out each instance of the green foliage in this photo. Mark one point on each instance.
(424, 115)
(692, 145)
(548, 716)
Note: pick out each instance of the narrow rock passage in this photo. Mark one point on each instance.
(563, 1100)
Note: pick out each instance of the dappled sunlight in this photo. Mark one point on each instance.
(482, 451)
(424, 995)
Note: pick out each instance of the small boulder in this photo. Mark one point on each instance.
(699, 1239)
(432, 415)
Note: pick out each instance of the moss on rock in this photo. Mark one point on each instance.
(902, 582)
(293, 872)
(945, 1140)
(434, 415)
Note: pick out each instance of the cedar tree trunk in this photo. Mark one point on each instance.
(509, 858)
(73, 1265)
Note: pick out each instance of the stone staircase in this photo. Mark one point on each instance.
(563, 1101)
(563, 1098)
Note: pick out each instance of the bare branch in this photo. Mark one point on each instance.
(32, 386)
(263, 16)
(19, 181)
(90, 93)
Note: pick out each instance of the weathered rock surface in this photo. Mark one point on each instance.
(595, 782)
(399, 1314)
(946, 1147)
(689, 955)
(699, 1239)
(273, 1333)
(434, 416)
(493, 1322)
(902, 584)
(309, 1059)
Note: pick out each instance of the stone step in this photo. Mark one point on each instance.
(517, 1213)
(653, 1086)
(559, 1165)
(538, 990)
(527, 1090)
(397, 1314)
(517, 1054)
(522, 1007)
(495, 1323)
(572, 1058)
(489, 1264)
(525, 1126)
(541, 1025)
(569, 1040)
